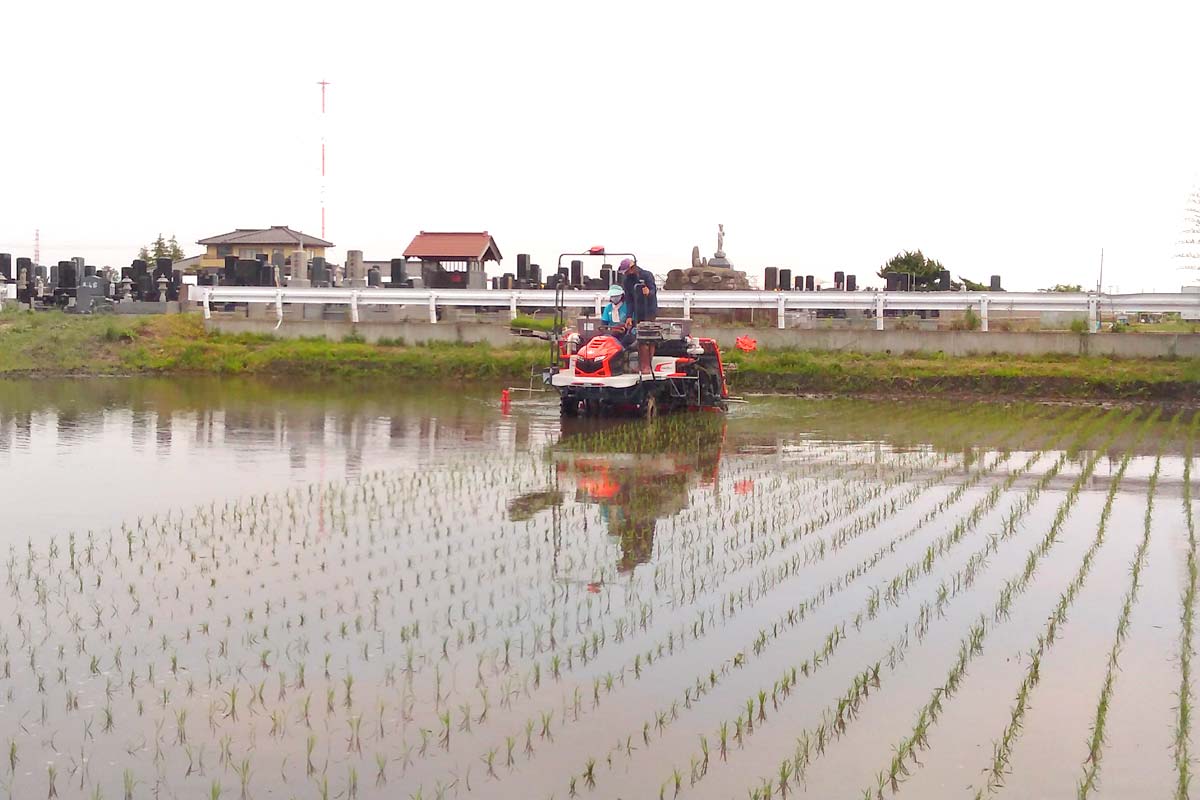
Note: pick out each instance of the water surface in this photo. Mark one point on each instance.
(280, 589)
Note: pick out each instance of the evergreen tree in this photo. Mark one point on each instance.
(161, 248)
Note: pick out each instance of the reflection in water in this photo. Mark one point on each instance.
(635, 475)
(88, 454)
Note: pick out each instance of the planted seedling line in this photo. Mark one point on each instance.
(905, 751)
(835, 718)
(603, 639)
(501, 618)
(819, 550)
(1183, 720)
(1003, 746)
(235, 548)
(864, 521)
(1091, 766)
(675, 711)
(503, 625)
(838, 634)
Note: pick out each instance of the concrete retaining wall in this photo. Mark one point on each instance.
(952, 343)
(971, 343)
(336, 330)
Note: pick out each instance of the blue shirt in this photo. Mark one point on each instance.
(611, 315)
(647, 305)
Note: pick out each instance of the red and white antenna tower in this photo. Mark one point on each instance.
(37, 247)
(322, 84)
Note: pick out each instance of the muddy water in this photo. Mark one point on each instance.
(253, 589)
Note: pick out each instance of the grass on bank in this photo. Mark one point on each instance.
(61, 344)
(1048, 376)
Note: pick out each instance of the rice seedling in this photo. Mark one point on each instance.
(423, 606)
(1091, 769)
(1183, 722)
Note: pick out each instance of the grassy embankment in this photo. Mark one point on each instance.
(57, 344)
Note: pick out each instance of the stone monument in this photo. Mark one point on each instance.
(716, 273)
(299, 270)
(356, 271)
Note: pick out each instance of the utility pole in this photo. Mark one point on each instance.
(1100, 280)
(322, 84)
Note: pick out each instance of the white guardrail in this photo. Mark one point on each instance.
(1084, 304)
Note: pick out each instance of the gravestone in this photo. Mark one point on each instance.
(163, 268)
(26, 280)
(356, 272)
(6, 271)
(143, 288)
(299, 270)
(320, 272)
(374, 277)
(92, 292)
(247, 272)
(68, 276)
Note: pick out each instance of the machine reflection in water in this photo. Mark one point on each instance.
(634, 474)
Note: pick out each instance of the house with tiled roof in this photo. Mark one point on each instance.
(278, 242)
(453, 260)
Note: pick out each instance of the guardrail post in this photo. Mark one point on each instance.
(687, 305)
(879, 311)
(354, 307)
(782, 310)
(512, 306)
(433, 307)
(599, 304)
(983, 313)
(279, 306)
(205, 296)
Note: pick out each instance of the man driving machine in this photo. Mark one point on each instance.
(641, 293)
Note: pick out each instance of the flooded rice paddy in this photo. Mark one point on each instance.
(255, 590)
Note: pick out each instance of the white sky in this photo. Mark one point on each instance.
(1014, 138)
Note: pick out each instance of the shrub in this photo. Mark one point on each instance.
(1079, 325)
(115, 333)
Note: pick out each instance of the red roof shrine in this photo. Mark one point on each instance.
(469, 247)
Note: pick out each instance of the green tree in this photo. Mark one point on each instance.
(924, 271)
(161, 248)
(1064, 287)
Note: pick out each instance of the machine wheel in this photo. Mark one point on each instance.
(568, 406)
(649, 407)
(591, 408)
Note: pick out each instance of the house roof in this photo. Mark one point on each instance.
(453, 247)
(276, 234)
(191, 262)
